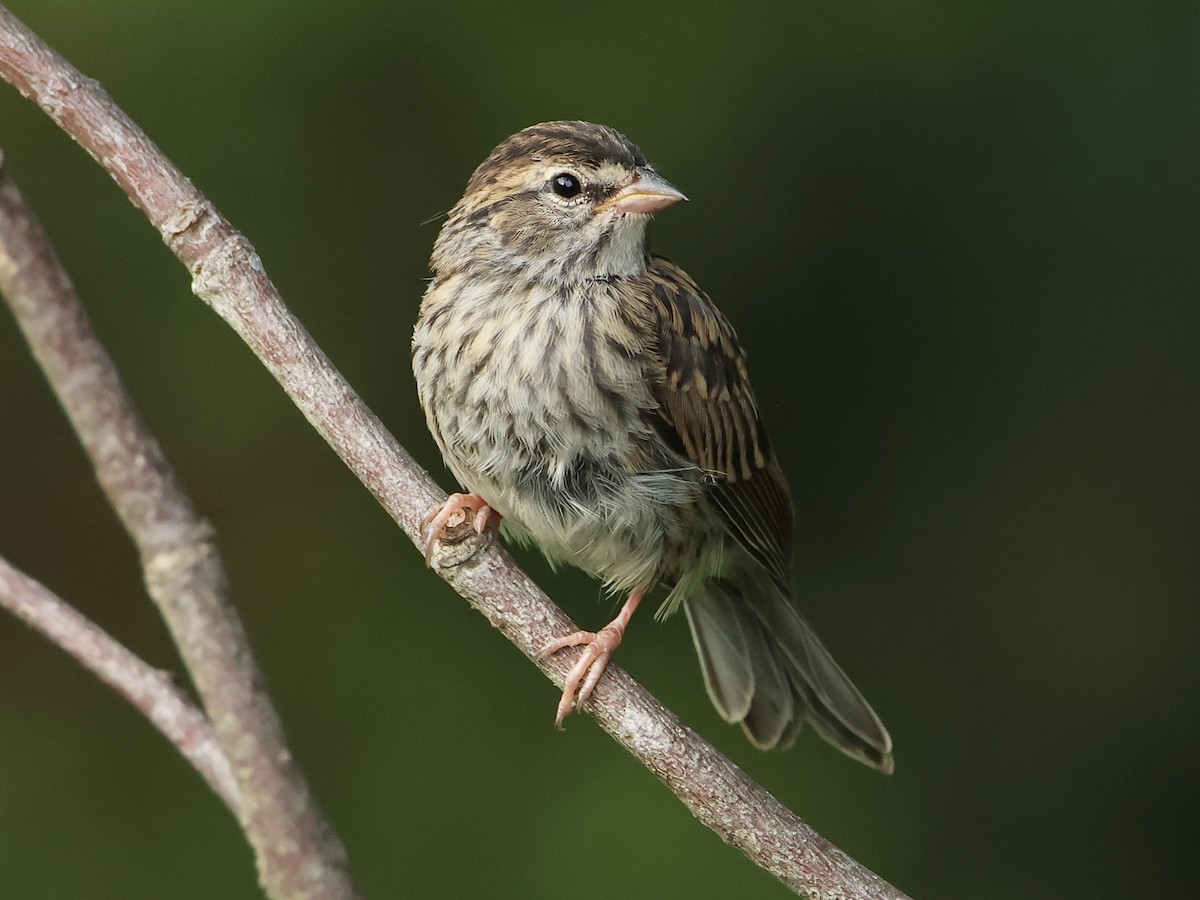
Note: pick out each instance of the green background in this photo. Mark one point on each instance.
(960, 244)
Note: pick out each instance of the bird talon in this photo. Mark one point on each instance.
(598, 648)
(445, 524)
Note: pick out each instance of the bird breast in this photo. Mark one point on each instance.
(537, 398)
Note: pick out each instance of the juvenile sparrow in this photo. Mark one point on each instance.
(591, 395)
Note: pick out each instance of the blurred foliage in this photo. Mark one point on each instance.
(960, 241)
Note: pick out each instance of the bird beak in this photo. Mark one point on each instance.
(648, 192)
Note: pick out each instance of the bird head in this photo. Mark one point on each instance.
(558, 201)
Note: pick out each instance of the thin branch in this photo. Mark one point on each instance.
(298, 854)
(151, 692)
(229, 277)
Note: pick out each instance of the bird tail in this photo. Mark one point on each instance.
(765, 667)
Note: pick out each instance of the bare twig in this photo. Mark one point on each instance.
(151, 692)
(298, 855)
(228, 275)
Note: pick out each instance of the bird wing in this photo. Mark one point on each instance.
(708, 415)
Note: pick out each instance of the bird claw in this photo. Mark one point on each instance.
(598, 647)
(454, 521)
(581, 681)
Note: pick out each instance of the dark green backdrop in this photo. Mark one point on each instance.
(959, 241)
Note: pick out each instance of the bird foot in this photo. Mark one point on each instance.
(598, 647)
(457, 519)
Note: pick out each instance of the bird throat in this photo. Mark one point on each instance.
(622, 250)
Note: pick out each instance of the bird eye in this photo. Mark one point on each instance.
(565, 185)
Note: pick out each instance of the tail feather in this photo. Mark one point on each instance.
(836, 708)
(765, 667)
(725, 660)
(774, 704)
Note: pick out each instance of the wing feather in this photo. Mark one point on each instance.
(707, 412)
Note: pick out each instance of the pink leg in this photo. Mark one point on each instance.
(598, 647)
(484, 519)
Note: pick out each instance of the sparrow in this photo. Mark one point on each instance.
(589, 395)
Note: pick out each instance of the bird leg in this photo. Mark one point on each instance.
(461, 508)
(598, 647)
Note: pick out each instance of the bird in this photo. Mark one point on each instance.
(589, 396)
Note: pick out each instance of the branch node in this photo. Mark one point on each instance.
(197, 217)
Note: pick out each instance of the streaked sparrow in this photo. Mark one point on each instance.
(591, 395)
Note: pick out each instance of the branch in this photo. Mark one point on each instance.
(151, 692)
(298, 854)
(229, 277)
